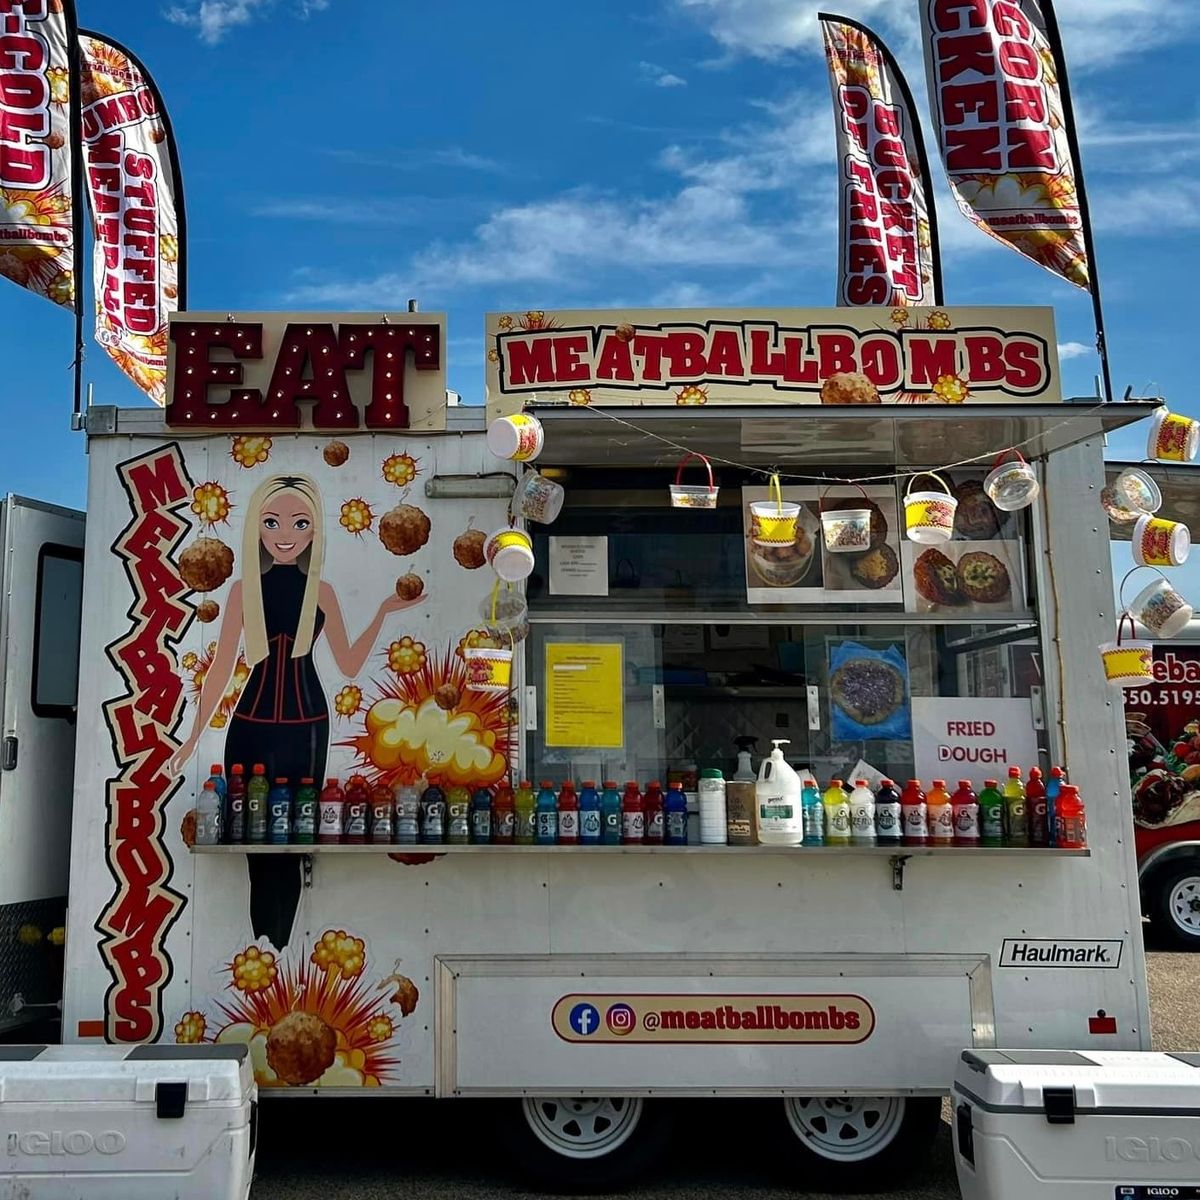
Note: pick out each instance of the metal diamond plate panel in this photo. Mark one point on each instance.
(31, 966)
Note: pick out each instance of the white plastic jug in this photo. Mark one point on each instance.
(777, 797)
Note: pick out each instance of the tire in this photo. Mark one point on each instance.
(1175, 904)
(857, 1143)
(578, 1145)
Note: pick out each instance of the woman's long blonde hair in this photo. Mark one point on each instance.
(256, 562)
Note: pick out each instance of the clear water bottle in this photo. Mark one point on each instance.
(208, 816)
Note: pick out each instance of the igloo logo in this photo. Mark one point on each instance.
(55, 1143)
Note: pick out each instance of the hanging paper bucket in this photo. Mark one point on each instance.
(691, 495)
(505, 614)
(1127, 664)
(846, 530)
(1158, 542)
(1158, 607)
(1173, 438)
(929, 516)
(538, 499)
(1136, 492)
(510, 552)
(774, 521)
(518, 437)
(488, 670)
(1012, 485)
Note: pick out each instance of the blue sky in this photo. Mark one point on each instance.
(478, 156)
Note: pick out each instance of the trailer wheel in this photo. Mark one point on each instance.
(578, 1144)
(859, 1143)
(1176, 904)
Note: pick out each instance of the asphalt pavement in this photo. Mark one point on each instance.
(372, 1149)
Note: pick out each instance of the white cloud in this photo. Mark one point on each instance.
(1096, 33)
(1070, 350)
(456, 156)
(213, 19)
(660, 76)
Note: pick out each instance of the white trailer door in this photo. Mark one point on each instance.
(39, 624)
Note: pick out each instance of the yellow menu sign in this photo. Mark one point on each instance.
(585, 695)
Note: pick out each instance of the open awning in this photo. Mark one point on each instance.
(899, 435)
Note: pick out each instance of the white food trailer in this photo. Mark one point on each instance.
(582, 985)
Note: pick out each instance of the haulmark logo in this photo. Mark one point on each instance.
(141, 722)
(1104, 955)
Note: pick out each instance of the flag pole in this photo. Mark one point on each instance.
(1089, 244)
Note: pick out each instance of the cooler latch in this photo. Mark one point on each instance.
(170, 1099)
(1060, 1105)
(966, 1133)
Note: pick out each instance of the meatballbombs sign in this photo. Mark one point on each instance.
(765, 356)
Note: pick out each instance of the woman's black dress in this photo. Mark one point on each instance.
(281, 721)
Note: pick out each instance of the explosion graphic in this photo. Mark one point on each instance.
(348, 701)
(939, 320)
(248, 451)
(580, 396)
(407, 733)
(400, 469)
(34, 264)
(900, 316)
(210, 502)
(168, 247)
(691, 395)
(951, 389)
(504, 322)
(316, 1022)
(356, 516)
(198, 666)
(60, 85)
(493, 356)
(406, 657)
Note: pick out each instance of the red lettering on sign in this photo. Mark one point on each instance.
(25, 160)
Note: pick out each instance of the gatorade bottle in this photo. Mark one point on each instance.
(991, 815)
(837, 814)
(433, 816)
(256, 805)
(332, 819)
(1054, 786)
(208, 815)
(524, 821)
(481, 817)
(965, 805)
(888, 814)
(653, 817)
(862, 815)
(216, 775)
(1070, 819)
(406, 814)
(381, 815)
(1016, 818)
(304, 813)
(610, 814)
(814, 815)
(675, 815)
(279, 812)
(235, 826)
(939, 814)
(633, 823)
(546, 823)
(914, 813)
(568, 815)
(358, 802)
(458, 816)
(503, 816)
(1035, 806)
(589, 814)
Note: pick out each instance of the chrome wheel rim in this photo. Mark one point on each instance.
(845, 1128)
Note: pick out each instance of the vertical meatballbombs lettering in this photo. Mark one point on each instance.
(141, 722)
(24, 96)
(990, 79)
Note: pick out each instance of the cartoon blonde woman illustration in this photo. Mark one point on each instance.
(279, 608)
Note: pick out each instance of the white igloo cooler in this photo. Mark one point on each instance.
(1071, 1126)
(126, 1122)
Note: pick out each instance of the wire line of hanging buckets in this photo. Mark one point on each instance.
(1133, 498)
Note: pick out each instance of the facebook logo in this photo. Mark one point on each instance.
(584, 1019)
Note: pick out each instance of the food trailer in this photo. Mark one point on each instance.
(292, 559)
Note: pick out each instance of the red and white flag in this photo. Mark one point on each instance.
(888, 247)
(998, 93)
(38, 227)
(136, 197)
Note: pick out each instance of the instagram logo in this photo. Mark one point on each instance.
(621, 1019)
